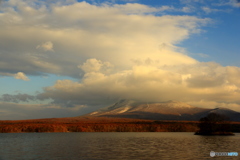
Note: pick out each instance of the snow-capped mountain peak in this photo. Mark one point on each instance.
(170, 110)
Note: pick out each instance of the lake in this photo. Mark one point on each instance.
(114, 146)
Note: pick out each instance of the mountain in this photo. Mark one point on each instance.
(170, 110)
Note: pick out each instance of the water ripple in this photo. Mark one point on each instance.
(117, 146)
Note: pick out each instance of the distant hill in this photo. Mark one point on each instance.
(126, 116)
(171, 110)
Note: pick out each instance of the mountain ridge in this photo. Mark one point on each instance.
(170, 110)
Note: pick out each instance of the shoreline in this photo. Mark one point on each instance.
(215, 134)
(103, 124)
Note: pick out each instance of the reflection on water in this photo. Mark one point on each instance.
(119, 146)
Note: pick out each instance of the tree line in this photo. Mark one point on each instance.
(206, 125)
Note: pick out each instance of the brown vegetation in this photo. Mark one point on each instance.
(86, 124)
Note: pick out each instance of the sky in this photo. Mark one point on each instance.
(67, 58)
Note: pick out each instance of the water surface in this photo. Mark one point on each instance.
(114, 146)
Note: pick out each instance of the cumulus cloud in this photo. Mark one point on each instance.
(94, 65)
(117, 51)
(47, 46)
(189, 83)
(114, 33)
(192, 83)
(18, 75)
(21, 75)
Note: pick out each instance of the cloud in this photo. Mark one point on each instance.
(146, 81)
(135, 8)
(213, 104)
(94, 65)
(17, 98)
(189, 83)
(116, 51)
(191, 1)
(18, 75)
(21, 75)
(233, 3)
(114, 33)
(47, 46)
(211, 10)
(202, 55)
(13, 111)
(187, 9)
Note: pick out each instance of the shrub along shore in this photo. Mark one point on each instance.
(101, 125)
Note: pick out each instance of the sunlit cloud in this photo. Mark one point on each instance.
(18, 75)
(193, 82)
(118, 34)
(21, 75)
(114, 51)
(47, 46)
(94, 65)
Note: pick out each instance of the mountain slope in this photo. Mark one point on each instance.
(171, 110)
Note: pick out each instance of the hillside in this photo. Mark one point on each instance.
(126, 116)
(171, 110)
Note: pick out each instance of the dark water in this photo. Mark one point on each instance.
(114, 146)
